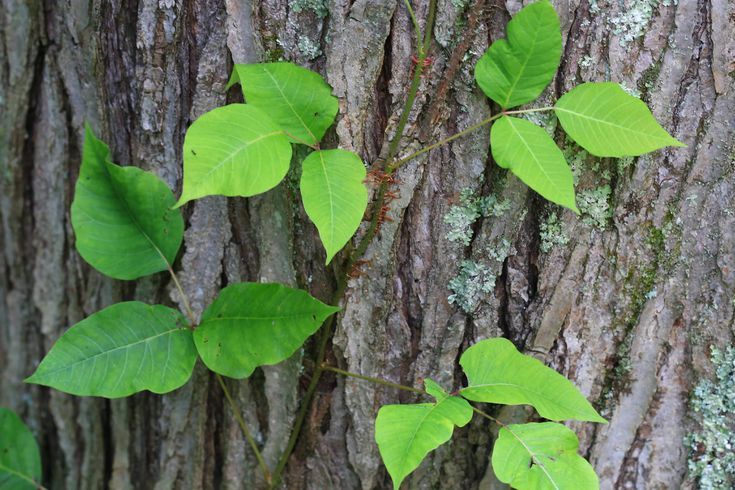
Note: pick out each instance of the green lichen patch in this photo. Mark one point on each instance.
(310, 49)
(632, 22)
(477, 278)
(473, 281)
(319, 7)
(461, 217)
(552, 233)
(712, 448)
(594, 204)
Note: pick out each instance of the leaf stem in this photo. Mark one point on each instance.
(379, 381)
(299, 140)
(233, 406)
(184, 298)
(396, 165)
(246, 432)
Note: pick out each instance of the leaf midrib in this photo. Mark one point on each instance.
(290, 106)
(129, 211)
(522, 388)
(603, 121)
(523, 67)
(18, 474)
(423, 419)
(231, 155)
(549, 180)
(108, 352)
(534, 457)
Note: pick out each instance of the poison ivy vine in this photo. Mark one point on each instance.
(128, 225)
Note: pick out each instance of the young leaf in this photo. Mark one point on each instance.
(235, 150)
(334, 195)
(515, 71)
(498, 373)
(541, 457)
(407, 433)
(530, 153)
(20, 458)
(122, 216)
(297, 99)
(253, 324)
(604, 120)
(125, 348)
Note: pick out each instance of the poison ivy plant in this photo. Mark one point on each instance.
(125, 348)
(251, 325)
(601, 117)
(527, 456)
(127, 226)
(121, 216)
(20, 458)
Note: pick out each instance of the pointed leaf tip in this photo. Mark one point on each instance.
(123, 349)
(234, 150)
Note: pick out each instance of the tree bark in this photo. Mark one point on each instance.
(627, 308)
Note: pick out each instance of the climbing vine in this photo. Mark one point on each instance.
(128, 225)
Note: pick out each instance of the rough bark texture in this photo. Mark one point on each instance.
(627, 308)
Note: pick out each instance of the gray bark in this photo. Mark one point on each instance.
(627, 308)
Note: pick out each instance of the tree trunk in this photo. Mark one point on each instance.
(625, 300)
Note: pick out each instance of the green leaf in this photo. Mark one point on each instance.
(498, 373)
(125, 348)
(530, 153)
(20, 458)
(122, 216)
(407, 433)
(235, 150)
(253, 324)
(606, 121)
(334, 195)
(541, 457)
(297, 99)
(515, 71)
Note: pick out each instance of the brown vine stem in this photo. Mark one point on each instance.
(233, 405)
(359, 251)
